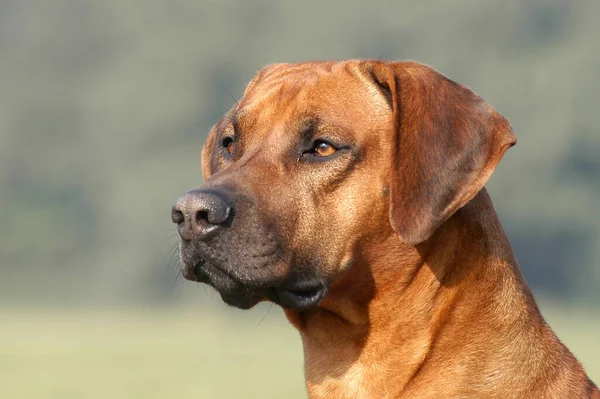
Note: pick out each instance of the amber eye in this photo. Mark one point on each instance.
(228, 144)
(323, 148)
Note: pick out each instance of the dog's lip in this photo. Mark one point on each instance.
(189, 271)
(300, 298)
(297, 294)
(207, 268)
(202, 264)
(296, 297)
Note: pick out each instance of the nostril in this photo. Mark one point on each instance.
(200, 214)
(177, 216)
(202, 217)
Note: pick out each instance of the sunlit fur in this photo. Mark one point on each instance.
(425, 299)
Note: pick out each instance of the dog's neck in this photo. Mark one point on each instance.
(443, 294)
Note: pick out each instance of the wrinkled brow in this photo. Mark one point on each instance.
(307, 126)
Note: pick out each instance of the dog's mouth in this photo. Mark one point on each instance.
(294, 294)
(299, 299)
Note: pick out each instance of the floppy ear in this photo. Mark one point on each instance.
(448, 142)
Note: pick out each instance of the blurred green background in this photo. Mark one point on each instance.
(104, 106)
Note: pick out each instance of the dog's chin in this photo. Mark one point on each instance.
(231, 291)
(243, 301)
(293, 295)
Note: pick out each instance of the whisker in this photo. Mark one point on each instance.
(230, 95)
(266, 313)
(173, 265)
(168, 238)
(170, 253)
(176, 278)
(174, 251)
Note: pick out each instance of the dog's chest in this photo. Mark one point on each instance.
(357, 382)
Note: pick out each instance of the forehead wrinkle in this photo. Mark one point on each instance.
(302, 70)
(272, 102)
(260, 102)
(281, 102)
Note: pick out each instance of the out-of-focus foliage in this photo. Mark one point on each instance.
(104, 106)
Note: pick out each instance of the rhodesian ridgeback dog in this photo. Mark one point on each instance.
(352, 194)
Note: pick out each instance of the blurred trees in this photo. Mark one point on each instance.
(104, 106)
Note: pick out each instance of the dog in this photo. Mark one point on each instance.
(352, 194)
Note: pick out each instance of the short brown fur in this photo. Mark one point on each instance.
(426, 298)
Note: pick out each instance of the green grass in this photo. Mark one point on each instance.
(183, 353)
(158, 354)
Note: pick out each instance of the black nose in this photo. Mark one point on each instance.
(198, 214)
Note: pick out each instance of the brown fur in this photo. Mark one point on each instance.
(425, 298)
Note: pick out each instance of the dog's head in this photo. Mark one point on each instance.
(319, 159)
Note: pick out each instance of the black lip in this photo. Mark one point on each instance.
(300, 299)
(297, 293)
(191, 271)
(202, 267)
(231, 291)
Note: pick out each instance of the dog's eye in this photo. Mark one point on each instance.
(228, 144)
(323, 148)
(322, 151)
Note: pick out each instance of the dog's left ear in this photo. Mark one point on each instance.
(448, 142)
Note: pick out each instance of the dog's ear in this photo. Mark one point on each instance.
(448, 142)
